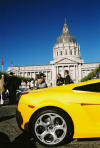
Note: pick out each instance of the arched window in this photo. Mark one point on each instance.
(57, 53)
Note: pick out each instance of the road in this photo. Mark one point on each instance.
(11, 135)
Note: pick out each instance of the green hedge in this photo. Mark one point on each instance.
(91, 75)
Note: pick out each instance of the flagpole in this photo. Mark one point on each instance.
(2, 64)
(2, 68)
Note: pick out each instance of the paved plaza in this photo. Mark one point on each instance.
(11, 135)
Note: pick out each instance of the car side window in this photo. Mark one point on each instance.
(95, 87)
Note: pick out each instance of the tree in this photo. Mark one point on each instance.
(91, 75)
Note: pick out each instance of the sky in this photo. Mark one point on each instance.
(29, 29)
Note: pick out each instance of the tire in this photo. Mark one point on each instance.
(52, 127)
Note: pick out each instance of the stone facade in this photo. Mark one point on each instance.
(66, 56)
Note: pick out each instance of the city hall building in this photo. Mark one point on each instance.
(66, 56)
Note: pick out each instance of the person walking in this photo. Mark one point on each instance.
(12, 86)
(60, 80)
(2, 88)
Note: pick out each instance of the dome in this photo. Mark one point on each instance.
(66, 48)
(65, 37)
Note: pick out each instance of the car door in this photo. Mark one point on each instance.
(90, 102)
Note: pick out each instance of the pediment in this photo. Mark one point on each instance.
(66, 60)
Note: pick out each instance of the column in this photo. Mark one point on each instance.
(23, 74)
(50, 75)
(54, 75)
(30, 74)
(74, 72)
(57, 69)
(33, 74)
(50, 78)
(69, 68)
(80, 72)
(46, 76)
(62, 71)
(77, 74)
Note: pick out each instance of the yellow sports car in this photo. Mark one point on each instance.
(58, 114)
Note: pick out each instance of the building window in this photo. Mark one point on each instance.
(57, 53)
(70, 52)
(66, 52)
(28, 73)
(74, 52)
(60, 52)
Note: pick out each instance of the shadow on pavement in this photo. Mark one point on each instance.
(23, 140)
(4, 138)
(7, 118)
(88, 139)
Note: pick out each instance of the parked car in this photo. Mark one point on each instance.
(19, 93)
(58, 114)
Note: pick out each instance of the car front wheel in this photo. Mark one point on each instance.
(52, 127)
